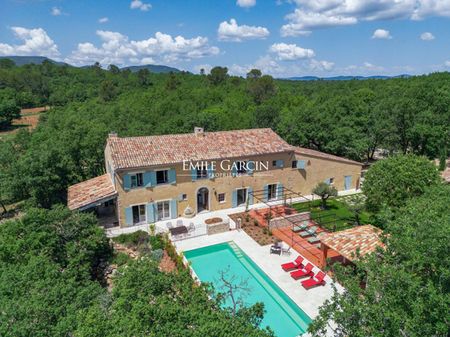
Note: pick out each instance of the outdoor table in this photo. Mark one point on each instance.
(178, 230)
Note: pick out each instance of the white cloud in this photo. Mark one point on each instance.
(103, 20)
(427, 36)
(290, 52)
(56, 11)
(314, 14)
(138, 4)
(233, 32)
(381, 34)
(246, 3)
(321, 65)
(116, 48)
(35, 42)
(447, 63)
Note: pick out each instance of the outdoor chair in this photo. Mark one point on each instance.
(300, 228)
(191, 227)
(285, 250)
(179, 223)
(303, 272)
(169, 225)
(317, 280)
(309, 232)
(313, 240)
(296, 264)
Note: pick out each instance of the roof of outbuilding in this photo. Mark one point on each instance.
(90, 192)
(315, 153)
(364, 239)
(134, 152)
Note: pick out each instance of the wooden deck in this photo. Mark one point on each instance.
(312, 252)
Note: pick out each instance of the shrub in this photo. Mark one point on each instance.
(134, 239)
(157, 254)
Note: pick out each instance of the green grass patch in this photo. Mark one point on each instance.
(337, 216)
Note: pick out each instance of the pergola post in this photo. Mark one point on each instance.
(324, 255)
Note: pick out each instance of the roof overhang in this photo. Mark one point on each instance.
(91, 193)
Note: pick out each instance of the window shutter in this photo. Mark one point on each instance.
(172, 176)
(234, 199)
(266, 192)
(280, 163)
(151, 212)
(194, 174)
(348, 182)
(148, 179)
(210, 172)
(251, 167)
(279, 191)
(129, 216)
(173, 209)
(327, 181)
(250, 195)
(301, 164)
(126, 182)
(233, 170)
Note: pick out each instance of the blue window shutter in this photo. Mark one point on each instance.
(327, 181)
(173, 209)
(348, 182)
(234, 170)
(148, 179)
(194, 174)
(210, 172)
(234, 199)
(172, 176)
(126, 182)
(280, 163)
(151, 212)
(152, 178)
(129, 215)
(266, 192)
(301, 164)
(250, 195)
(251, 167)
(279, 191)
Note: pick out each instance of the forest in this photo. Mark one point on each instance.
(52, 260)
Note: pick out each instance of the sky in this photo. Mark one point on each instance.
(282, 38)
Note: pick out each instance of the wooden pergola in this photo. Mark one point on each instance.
(351, 243)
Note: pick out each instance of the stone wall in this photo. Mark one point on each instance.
(216, 228)
(289, 220)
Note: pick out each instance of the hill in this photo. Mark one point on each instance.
(154, 68)
(22, 60)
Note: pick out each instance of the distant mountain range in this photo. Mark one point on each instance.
(22, 60)
(344, 78)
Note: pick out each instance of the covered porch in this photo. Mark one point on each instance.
(96, 195)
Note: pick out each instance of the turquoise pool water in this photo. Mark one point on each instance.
(283, 316)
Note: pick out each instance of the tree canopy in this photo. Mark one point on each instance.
(391, 182)
(407, 284)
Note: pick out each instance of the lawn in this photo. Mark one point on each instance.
(337, 214)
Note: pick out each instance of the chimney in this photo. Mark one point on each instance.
(112, 134)
(198, 131)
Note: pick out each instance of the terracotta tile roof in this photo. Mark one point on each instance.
(314, 153)
(365, 239)
(168, 149)
(90, 191)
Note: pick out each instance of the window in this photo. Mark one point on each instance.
(138, 214)
(162, 177)
(241, 167)
(221, 197)
(271, 191)
(202, 172)
(137, 180)
(274, 163)
(241, 196)
(294, 164)
(184, 197)
(163, 210)
(330, 181)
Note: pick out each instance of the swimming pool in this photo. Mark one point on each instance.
(282, 315)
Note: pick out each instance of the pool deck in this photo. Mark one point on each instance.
(308, 300)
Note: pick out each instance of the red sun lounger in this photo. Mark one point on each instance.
(314, 281)
(293, 265)
(307, 271)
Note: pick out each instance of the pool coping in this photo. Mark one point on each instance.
(307, 300)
